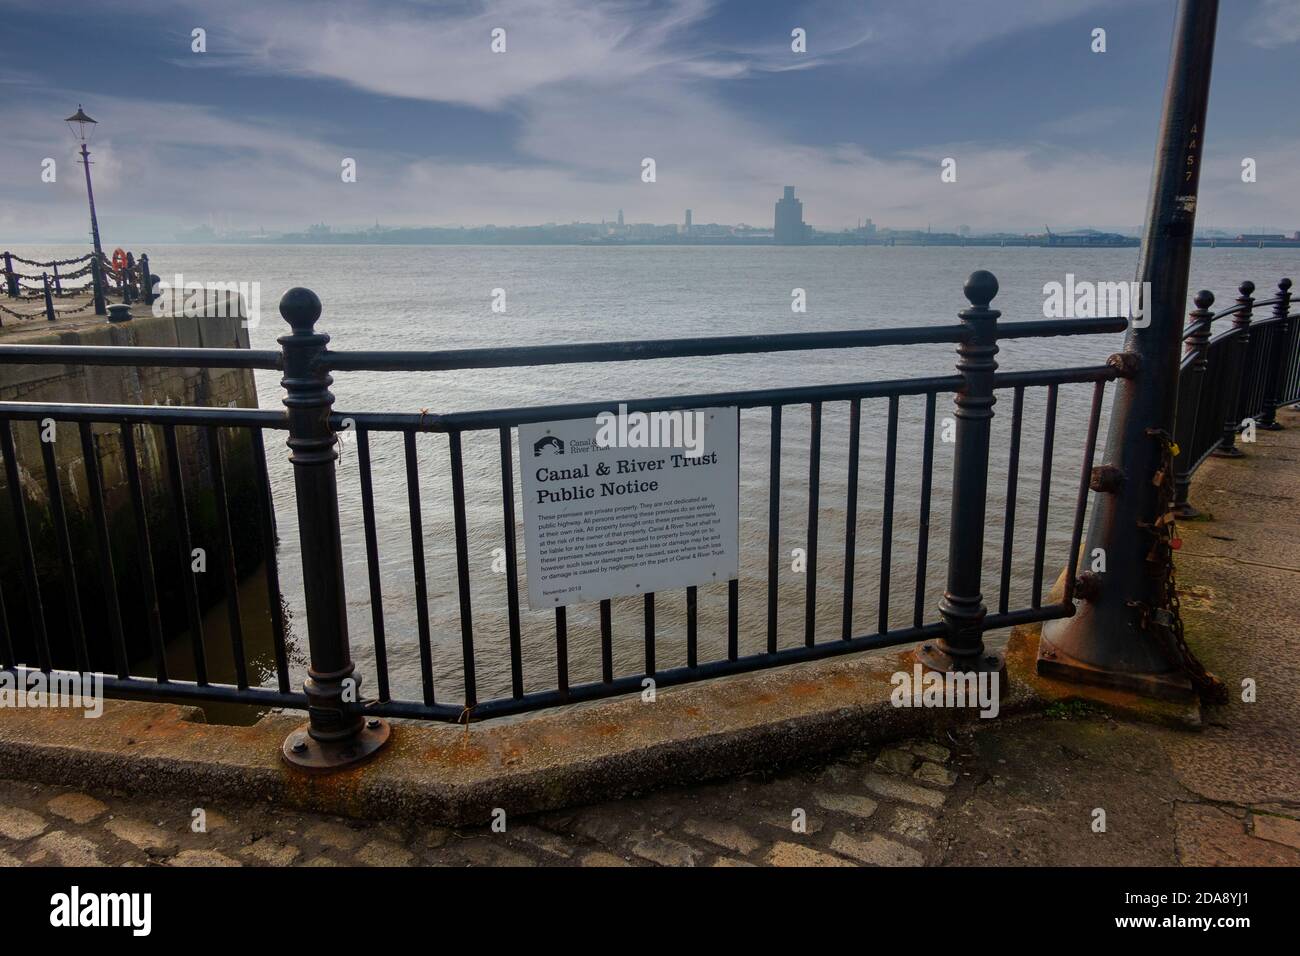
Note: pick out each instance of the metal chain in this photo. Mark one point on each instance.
(52, 262)
(1166, 621)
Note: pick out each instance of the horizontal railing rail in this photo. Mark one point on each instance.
(1251, 366)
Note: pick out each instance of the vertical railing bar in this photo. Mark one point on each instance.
(562, 649)
(851, 516)
(773, 527)
(35, 607)
(1044, 491)
(692, 625)
(7, 656)
(185, 546)
(107, 576)
(923, 524)
(417, 557)
(229, 574)
(372, 563)
(814, 500)
(147, 581)
(733, 619)
(1081, 505)
(1013, 492)
(649, 633)
(462, 567)
(512, 563)
(270, 560)
(64, 542)
(606, 642)
(887, 522)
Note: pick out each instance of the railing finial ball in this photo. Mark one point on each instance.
(980, 288)
(1204, 299)
(1284, 284)
(1247, 288)
(300, 308)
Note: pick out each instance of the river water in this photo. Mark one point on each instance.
(439, 297)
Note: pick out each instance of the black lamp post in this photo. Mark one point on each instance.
(82, 127)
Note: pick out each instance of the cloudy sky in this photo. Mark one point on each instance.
(253, 131)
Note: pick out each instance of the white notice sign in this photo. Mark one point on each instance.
(612, 508)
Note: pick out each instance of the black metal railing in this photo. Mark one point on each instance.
(951, 635)
(1234, 380)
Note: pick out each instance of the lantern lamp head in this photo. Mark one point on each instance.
(82, 126)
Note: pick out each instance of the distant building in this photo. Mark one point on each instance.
(688, 222)
(620, 219)
(789, 228)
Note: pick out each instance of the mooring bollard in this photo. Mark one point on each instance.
(49, 301)
(1275, 380)
(337, 733)
(1191, 395)
(962, 649)
(1235, 373)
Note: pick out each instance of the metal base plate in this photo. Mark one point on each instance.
(1169, 685)
(929, 656)
(304, 751)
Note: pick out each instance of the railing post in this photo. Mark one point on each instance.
(337, 732)
(1236, 373)
(1120, 634)
(11, 280)
(58, 285)
(961, 649)
(49, 302)
(146, 281)
(1191, 399)
(97, 285)
(124, 279)
(1275, 383)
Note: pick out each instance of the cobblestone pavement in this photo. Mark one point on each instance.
(878, 808)
(1025, 793)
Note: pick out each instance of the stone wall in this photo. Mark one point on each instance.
(125, 386)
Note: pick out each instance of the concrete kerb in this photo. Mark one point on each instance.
(458, 775)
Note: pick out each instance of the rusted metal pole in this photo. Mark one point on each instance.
(1108, 641)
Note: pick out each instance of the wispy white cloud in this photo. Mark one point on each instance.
(1274, 23)
(591, 90)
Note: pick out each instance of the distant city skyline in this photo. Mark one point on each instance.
(252, 132)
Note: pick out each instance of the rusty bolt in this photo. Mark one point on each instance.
(1087, 585)
(299, 744)
(373, 723)
(1126, 364)
(1107, 478)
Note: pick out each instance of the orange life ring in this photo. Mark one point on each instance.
(119, 259)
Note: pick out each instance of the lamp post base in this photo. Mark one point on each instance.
(1056, 663)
